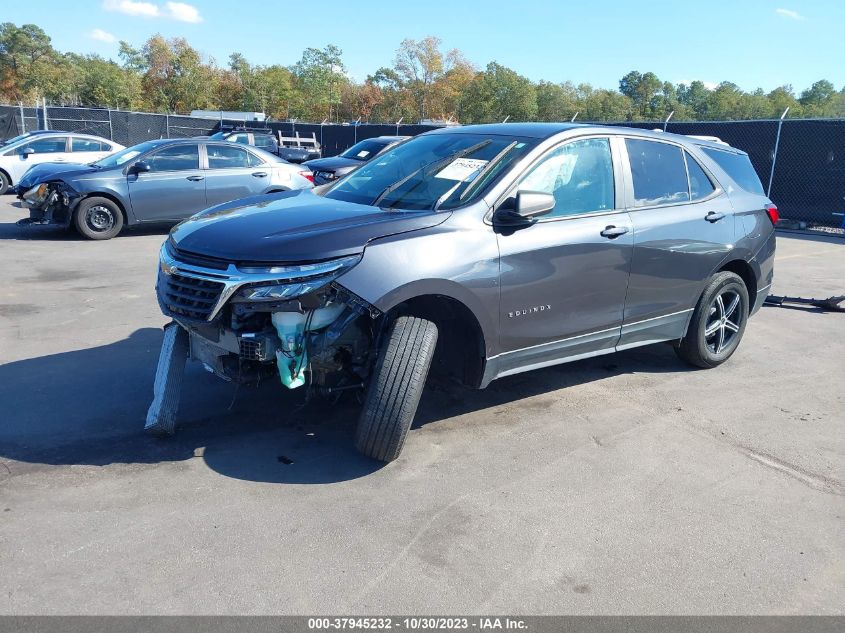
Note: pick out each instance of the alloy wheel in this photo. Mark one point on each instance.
(724, 321)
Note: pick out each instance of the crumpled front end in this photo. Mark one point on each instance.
(249, 322)
(49, 203)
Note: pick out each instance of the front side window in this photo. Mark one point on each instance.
(175, 158)
(86, 145)
(700, 185)
(243, 139)
(226, 157)
(658, 172)
(579, 175)
(47, 145)
(432, 171)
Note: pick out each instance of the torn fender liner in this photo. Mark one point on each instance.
(161, 417)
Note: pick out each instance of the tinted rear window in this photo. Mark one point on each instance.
(658, 172)
(738, 167)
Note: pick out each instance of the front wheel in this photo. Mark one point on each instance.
(395, 388)
(98, 218)
(718, 322)
(4, 183)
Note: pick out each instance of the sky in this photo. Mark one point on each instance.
(753, 43)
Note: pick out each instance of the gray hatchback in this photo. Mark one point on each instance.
(156, 181)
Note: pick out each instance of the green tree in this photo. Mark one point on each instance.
(498, 93)
(27, 62)
(319, 75)
(641, 89)
(819, 99)
(556, 102)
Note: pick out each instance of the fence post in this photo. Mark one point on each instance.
(357, 122)
(574, 116)
(46, 122)
(666, 122)
(23, 119)
(775, 155)
(397, 125)
(167, 124)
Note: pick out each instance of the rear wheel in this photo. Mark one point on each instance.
(395, 388)
(98, 218)
(4, 183)
(718, 322)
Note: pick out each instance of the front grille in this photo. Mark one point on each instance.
(188, 297)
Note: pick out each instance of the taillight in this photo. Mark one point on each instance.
(772, 212)
(309, 176)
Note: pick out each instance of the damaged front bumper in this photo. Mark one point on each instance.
(246, 322)
(49, 203)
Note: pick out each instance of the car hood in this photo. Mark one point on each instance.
(294, 226)
(47, 171)
(331, 164)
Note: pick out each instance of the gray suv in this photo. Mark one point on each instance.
(478, 252)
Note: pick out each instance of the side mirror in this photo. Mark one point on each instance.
(532, 204)
(527, 206)
(26, 151)
(140, 167)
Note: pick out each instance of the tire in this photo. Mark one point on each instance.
(98, 218)
(395, 388)
(5, 183)
(718, 322)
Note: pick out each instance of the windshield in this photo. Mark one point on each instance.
(17, 138)
(364, 150)
(432, 171)
(123, 156)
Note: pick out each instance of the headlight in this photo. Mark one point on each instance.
(293, 281)
(37, 194)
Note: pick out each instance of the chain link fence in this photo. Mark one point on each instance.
(806, 178)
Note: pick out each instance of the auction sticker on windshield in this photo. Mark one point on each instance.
(462, 169)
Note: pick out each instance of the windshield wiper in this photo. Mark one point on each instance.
(477, 179)
(430, 167)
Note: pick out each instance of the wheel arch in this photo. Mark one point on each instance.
(8, 176)
(461, 343)
(746, 272)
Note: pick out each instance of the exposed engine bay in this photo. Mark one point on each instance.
(248, 322)
(50, 203)
(327, 334)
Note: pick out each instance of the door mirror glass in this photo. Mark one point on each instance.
(140, 167)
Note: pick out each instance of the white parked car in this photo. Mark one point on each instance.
(17, 155)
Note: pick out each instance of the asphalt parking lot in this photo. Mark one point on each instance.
(623, 484)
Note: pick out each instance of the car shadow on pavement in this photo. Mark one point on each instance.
(87, 407)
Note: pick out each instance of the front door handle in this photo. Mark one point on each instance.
(259, 174)
(196, 178)
(713, 216)
(612, 232)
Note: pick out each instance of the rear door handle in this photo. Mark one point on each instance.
(612, 232)
(259, 174)
(196, 178)
(714, 217)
